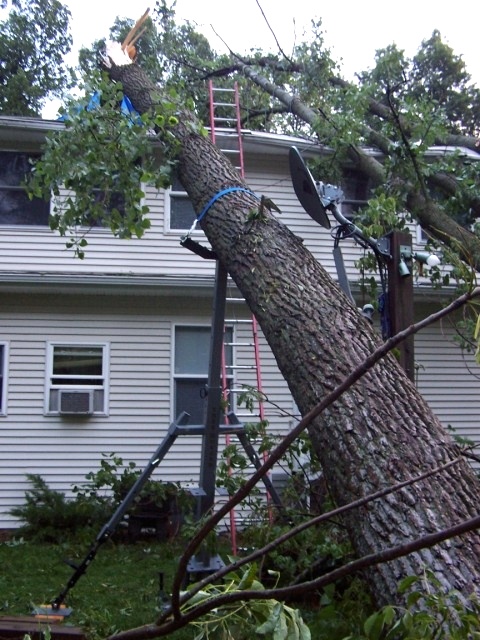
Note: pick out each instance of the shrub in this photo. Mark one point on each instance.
(48, 516)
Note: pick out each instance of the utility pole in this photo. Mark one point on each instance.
(394, 250)
(400, 296)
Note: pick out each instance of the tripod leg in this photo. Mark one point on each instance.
(123, 507)
(257, 463)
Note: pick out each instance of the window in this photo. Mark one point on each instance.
(356, 189)
(422, 237)
(15, 206)
(113, 200)
(3, 379)
(191, 355)
(77, 379)
(107, 201)
(179, 212)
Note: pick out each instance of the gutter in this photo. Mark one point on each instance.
(105, 284)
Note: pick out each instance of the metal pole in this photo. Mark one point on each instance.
(209, 456)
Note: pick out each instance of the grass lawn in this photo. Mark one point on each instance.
(120, 589)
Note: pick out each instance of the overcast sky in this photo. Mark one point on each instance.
(354, 29)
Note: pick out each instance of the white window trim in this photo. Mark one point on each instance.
(105, 346)
(4, 402)
(422, 239)
(167, 213)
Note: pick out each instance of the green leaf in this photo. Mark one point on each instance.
(272, 622)
(281, 628)
(389, 614)
(248, 577)
(373, 625)
(406, 583)
(413, 598)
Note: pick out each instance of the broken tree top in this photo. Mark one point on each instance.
(125, 53)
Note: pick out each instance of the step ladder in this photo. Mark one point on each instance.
(225, 118)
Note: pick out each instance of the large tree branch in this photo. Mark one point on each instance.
(283, 593)
(363, 161)
(429, 214)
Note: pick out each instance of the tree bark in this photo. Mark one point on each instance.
(379, 433)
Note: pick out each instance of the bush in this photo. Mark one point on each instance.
(48, 516)
(114, 480)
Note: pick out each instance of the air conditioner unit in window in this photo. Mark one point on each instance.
(75, 402)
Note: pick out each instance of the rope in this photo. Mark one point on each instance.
(211, 202)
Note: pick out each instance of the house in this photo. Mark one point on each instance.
(100, 355)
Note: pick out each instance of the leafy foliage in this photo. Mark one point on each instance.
(114, 479)
(265, 618)
(441, 615)
(102, 150)
(34, 40)
(49, 516)
(309, 553)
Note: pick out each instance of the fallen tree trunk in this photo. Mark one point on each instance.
(378, 433)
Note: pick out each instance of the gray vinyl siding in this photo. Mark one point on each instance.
(448, 378)
(272, 180)
(158, 253)
(139, 333)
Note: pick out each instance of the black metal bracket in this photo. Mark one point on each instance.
(199, 249)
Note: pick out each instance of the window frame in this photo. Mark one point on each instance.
(170, 194)
(4, 369)
(103, 228)
(196, 376)
(20, 188)
(49, 375)
(422, 237)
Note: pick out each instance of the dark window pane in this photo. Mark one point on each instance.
(78, 382)
(187, 398)
(192, 355)
(17, 209)
(15, 206)
(192, 345)
(109, 201)
(14, 168)
(113, 200)
(192, 349)
(177, 185)
(356, 189)
(182, 214)
(72, 361)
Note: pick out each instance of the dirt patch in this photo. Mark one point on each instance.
(6, 534)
